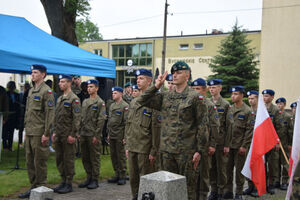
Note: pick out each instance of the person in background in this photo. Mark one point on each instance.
(76, 81)
(84, 92)
(127, 96)
(135, 91)
(169, 79)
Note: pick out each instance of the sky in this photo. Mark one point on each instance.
(144, 18)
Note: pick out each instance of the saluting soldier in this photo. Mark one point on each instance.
(118, 112)
(127, 97)
(199, 85)
(241, 139)
(93, 116)
(272, 157)
(66, 129)
(39, 117)
(140, 136)
(218, 177)
(184, 124)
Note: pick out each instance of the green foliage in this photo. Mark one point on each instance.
(235, 64)
(78, 7)
(87, 30)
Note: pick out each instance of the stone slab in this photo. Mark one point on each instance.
(41, 193)
(165, 186)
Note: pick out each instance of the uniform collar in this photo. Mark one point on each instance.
(37, 89)
(68, 96)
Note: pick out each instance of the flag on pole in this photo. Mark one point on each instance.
(263, 140)
(295, 151)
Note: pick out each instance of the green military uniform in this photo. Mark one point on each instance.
(92, 121)
(285, 141)
(205, 162)
(183, 130)
(116, 127)
(296, 184)
(241, 137)
(67, 123)
(141, 141)
(272, 157)
(39, 117)
(127, 98)
(75, 89)
(218, 177)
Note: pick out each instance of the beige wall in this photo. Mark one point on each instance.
(280, 48)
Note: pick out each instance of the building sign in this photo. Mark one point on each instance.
(198, 60)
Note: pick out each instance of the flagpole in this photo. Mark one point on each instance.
(286, 159)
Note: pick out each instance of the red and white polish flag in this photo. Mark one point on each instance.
(295, 151)
(263, 140)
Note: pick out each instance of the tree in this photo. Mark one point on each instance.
(235, 64)
(87, 30)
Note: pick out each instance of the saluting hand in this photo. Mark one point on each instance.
(160, 80)
(196, 159)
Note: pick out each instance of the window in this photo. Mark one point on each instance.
(140, 54)
(184, 46)
(98, 52)
(198, 46)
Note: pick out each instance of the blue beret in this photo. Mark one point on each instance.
(281, 100)
(169, 77)
(252, 92)
(127, 84)
(118, 89)
(145, 72)
(65, 76)
(135, 87)
(238, 88)
(93, 81)
(41, 68)
(214, 82)
(199, 82)
(179, 65)
(294, 105)
(268, 91)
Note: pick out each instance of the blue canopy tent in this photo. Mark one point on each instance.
(23, 44)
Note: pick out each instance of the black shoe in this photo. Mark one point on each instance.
(284, 186)
(271, 189)
(122, 181)
(66, 189)
(238, 197)
(60, 186)
(248, 191)
(254, 193)
(113, 180)
(85, 183)
(277, 185)
(93, 184)
(228, 195)
(25, 194)
(213, 196)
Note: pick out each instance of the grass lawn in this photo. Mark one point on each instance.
(17, 181)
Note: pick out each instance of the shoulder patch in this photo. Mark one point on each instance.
(252, 122)
(50, 103)
(241, 117)
(103, 105)
(280, 112)
(201, 97)
(50, 91)
(126, 109)
(221, 110)
(252, 113)
(159, 118)
(76, 101)
(216, 116)
(215, 107)
(77, 110)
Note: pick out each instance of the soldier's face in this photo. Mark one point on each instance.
(170, 86)
(92, 89)
(281, 105)
(180, 77)
(236, 97)
(294, 110)
(200, 89)
(143, 82)
(253, 99)
(128, 90)
(215, 89)
(77, 81)
(268, 98)
(136, 93)
(64, 84)
(116, 95)
(37, 75)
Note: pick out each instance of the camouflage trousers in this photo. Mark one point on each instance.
(36, 160)
(118, 157)
(65, 155)
(272, 160)
(283, 167)
(90, 157)
(181, 164)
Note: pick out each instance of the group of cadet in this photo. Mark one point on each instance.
(178, 130)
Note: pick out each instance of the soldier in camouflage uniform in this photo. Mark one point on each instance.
(286, 142)
(241, 138)
(127, 97)
(272, 157)
(76, 82)
(66, 128)
(140, 136)
(92, 121)
(118, 112)
(184, 133)
(39, 117)
(199, 85)
(218, 176)
(135, 91)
